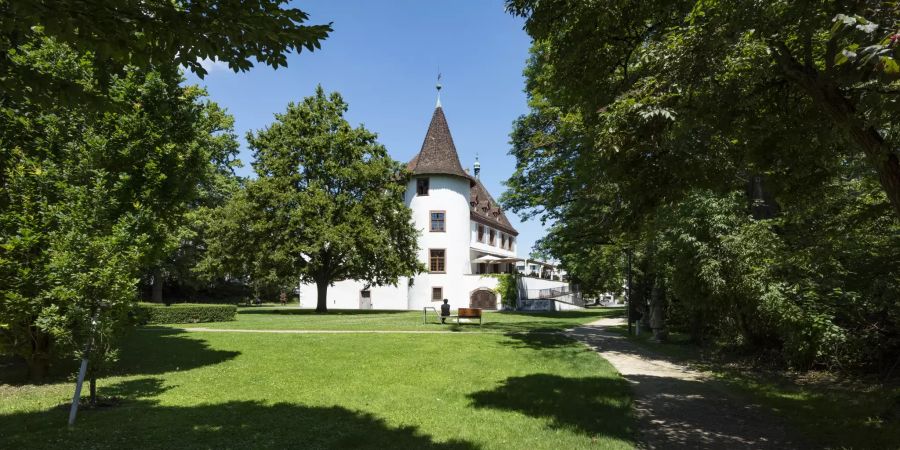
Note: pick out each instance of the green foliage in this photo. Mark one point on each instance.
(508, 288)
(87, 200)
(327, 205)
(150, 35)
(752, 174)
(154, 313)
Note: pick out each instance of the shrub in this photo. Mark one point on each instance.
(507, 288)
(149, 313)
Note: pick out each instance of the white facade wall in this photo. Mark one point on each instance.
(346, 295)
(449, 194)
(486, 246)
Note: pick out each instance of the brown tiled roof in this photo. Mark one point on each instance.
(438, 154)
(486, 210)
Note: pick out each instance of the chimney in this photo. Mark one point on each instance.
(477, 166)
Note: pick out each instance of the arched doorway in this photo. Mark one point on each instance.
(483, 298)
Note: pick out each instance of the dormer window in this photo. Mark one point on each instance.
(421, 186)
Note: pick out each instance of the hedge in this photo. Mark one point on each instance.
(184, 313)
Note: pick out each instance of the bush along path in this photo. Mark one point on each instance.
(678, 407)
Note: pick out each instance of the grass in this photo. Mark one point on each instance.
(464, 390)
(292, 318)
(828, 412)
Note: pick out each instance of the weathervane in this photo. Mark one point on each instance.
(438, 87)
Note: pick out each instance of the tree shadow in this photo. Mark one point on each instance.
(151, 351)
(699, 414)
(538, 340)
(235, 424)
(135, 389)
(593, 406)
(145, 351)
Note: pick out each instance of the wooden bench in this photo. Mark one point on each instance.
(468, 313)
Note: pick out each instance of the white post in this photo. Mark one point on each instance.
(73, 411)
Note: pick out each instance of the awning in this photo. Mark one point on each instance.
(486, 259)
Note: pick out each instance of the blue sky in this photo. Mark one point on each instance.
(383, 57)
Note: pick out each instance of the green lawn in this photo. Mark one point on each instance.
(242, 390)
(271, 318)
(829, 413)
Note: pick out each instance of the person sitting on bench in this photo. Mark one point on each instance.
(445, 310)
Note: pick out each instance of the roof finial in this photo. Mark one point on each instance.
(477, 166)
(438, 87)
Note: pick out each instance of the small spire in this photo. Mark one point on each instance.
(438, 87)
(477, 166)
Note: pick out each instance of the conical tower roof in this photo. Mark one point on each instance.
(438, 154)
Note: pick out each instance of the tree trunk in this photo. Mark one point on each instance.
(39, 360)
(322, 292)
(842, 111)
(93, 384)
(157, 294)
(658, 313)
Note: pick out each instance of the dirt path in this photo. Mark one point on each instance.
(681, 408)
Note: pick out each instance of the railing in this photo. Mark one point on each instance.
(563, 294)
(549, 292)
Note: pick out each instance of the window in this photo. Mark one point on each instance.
(437, 294)
(491, 241)
(438, 222)
(436, 259)
(482, 268)
(421, 186)
(480, 233)
(509, 243)
(502, 240)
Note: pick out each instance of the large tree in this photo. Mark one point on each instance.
(326, 205)
(758, 201)
(87, 199)
(748, 82)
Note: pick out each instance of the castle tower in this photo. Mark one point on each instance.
(438, 195)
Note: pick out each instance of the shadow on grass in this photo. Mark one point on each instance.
(594, 406)
(538, 340)
(151, 351)
(142, 423)
(145, 351)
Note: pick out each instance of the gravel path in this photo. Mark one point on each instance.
(680, 408)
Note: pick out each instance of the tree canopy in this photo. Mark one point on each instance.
(87, 199)
(114, 34)
(327, 205)
(745, 152)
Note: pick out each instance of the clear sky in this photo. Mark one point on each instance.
(384, 57)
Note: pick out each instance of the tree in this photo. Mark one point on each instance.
(177, 259)
(758, 201)
(115, 34)
(87, 199)
(749, 83)
(327, 204)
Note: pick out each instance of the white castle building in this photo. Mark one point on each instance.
(464, 237)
